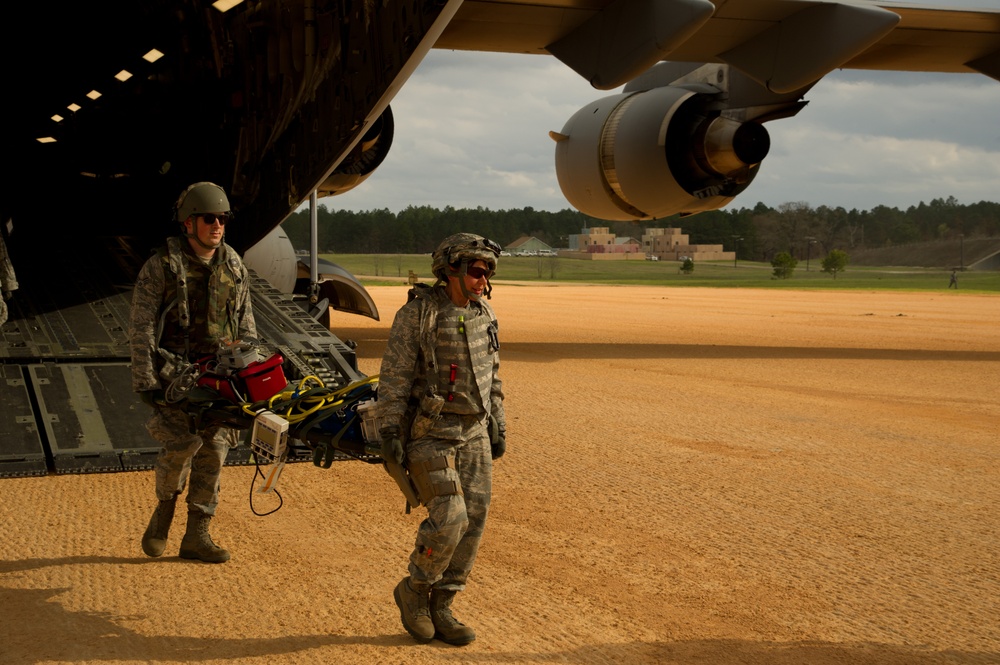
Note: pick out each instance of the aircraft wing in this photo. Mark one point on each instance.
(701, 77)
(615, 43)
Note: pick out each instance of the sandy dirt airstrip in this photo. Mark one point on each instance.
(720, 476)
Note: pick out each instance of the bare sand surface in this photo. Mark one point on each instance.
(720, 476)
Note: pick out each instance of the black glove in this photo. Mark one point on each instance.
(498, 448)
(153, 397)
(392, 445)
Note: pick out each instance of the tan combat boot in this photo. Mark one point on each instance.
(448, 629)
(154, 540)
(412, 600)
(197, 544)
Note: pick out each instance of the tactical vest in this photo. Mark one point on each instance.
(458, 345)
(201, 310)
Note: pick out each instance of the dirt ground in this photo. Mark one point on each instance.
(720, 476)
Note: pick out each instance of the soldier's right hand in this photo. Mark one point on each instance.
(153, 397)
(392, 443)
(392, 450)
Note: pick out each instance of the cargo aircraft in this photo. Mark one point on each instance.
(112, 108)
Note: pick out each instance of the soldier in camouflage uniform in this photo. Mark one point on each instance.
(8, 280)
(439, 394)
(190, 298)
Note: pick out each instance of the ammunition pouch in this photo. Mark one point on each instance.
(429, 480)
(426, 413)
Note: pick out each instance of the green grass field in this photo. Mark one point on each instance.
(375, 269)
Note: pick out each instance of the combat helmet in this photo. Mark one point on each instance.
(453, 256)
(199, 199)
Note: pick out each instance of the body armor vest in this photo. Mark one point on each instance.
(457, 350)
(201, 302)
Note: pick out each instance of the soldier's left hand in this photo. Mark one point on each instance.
(500, 447)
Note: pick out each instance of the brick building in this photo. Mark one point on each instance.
(669, 244)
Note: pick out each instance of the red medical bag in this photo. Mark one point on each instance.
(258, 381)
(263, 379)
(220, 384)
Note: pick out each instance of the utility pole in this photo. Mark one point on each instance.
(810, 241)
(736, 249)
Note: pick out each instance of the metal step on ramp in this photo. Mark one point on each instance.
(76, 418)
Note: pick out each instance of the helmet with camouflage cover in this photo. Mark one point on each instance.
(459, 248)
(456, 252)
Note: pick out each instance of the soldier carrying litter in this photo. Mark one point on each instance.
(190, 298)
(441, 403)
(8, 280)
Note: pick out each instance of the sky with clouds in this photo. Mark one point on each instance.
(471, 129)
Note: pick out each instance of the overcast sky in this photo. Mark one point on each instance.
(471, 129)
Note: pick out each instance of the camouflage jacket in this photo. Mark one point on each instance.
(8, 281)
(436, 347)
(187, 309)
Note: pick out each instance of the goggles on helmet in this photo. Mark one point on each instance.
(481, 243)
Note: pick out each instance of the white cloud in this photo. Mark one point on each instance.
(889, 140)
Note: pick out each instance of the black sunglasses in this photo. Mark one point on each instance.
(475, 272)
(210, 218)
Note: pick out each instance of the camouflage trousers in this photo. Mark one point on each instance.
(448, 539)
(186, 457)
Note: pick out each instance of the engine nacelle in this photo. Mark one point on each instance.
(655, 153)
(362, 161)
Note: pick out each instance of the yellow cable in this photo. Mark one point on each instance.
(315, 402)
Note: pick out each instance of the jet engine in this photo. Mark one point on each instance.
(362, 161)
(655, 153)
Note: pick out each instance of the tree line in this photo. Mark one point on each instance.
(757, 234)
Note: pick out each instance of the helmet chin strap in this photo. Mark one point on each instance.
(194, 236)
(462, 272)
(198, 240)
